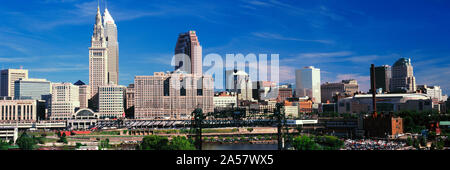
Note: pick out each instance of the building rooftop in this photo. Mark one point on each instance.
(415, 95)
(33, 80)
(108, 18)
(79, 83)
(402, 61)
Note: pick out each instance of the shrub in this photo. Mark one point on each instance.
(250, 129)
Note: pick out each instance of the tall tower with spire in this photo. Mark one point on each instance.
(112, 47)
(98, 57)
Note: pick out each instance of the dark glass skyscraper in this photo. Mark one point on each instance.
(383, 75)
(189, 45)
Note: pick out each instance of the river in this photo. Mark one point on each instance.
(241, 146)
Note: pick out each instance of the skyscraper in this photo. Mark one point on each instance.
(383, 75)
(112, 45)
(189, 45)
(8, 78)
(98, 57)
(308, 83)
(403, 79)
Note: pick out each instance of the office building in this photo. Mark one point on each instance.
(130, 96)
(172, 95)
(84, 94)
(291, 111)
(18, 110)
(403, 79)
(330, 90)
(383, 75)
(31, 89)
(112, 46)
(308, 83)
(283, 94)
(434, 92)
(224, 100)
(111, 101)
(65, 101)
(304, 104)
(189, 45)
(8, 78)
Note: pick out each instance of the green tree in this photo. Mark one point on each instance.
(63, 139)
(329, 142)
(440, 144)
(423, 141)
(299, 129)
(154, 142)
(181, 143)
(409, 141)
(40, 140)
(104, 144)
(25, 142)
(416, 143)
(259, 137)
(78, 145)
(4, 145)
(305, 143)
(431, 135)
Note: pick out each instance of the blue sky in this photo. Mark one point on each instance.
(342, 38)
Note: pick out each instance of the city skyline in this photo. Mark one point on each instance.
(63, 54)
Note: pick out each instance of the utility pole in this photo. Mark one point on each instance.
(235, 87)
(374, 93)
(280, 119)
(196, 127)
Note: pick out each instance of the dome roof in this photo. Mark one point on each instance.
(85, 113)
(402, 62)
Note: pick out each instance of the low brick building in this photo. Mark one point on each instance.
(382, 126)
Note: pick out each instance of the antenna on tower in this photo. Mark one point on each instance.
(106, 4)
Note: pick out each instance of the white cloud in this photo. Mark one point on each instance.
(59, 69)
(14, 60)
(434, 75)
(267, 35)
(325, 55)
(287, 74)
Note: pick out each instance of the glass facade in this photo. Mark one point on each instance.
(31, 89)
